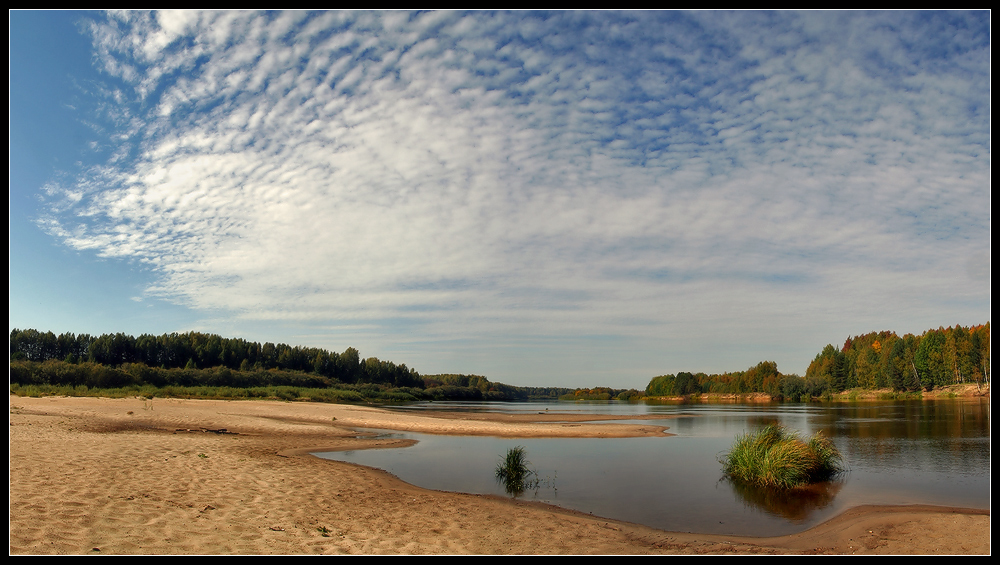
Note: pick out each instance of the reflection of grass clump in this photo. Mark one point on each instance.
(513, 471)
(775, 457)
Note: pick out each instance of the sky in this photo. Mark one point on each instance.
(544, 198)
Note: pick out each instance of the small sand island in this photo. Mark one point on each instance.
(100, 476)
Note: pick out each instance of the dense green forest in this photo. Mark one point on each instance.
(197, 364)
(873, 361)
(195, 350)
(212, 366)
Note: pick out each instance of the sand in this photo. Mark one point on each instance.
(167, 476)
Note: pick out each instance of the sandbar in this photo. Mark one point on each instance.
(97, 476)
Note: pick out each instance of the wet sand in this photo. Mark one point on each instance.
(168, 476)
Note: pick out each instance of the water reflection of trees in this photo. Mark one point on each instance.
(794, 504)
(938, 435)
(959, 418)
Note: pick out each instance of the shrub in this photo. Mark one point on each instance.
(775, 457)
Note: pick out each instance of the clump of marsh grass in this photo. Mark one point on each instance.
(776, 457)
(512, 471)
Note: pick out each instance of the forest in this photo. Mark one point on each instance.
(872, 361)
(194, 350)
(231, 367)
(198, 364)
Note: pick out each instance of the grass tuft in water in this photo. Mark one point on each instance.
(512, 471)
(775, 457)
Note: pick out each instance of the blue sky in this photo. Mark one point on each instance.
(550, 199)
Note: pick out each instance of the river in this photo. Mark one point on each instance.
(897, 452)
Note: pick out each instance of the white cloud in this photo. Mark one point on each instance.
(575, 175)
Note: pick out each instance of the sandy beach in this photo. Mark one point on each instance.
(168, 476)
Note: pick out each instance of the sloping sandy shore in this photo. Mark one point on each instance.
(104, 476)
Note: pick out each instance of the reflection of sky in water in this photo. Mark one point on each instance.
(898, 453)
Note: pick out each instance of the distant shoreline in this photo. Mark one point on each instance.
(939, 393)
(171, 476)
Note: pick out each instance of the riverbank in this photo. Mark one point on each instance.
(853, 395)
(170, 476)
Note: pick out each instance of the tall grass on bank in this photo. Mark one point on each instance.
(777, 458)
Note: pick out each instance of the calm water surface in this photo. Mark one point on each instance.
(898, 452)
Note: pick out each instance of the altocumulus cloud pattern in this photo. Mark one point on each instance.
(657, 178)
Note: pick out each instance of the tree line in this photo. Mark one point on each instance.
(194, 359)
(876, 360)
(945, 356)
(194, 350)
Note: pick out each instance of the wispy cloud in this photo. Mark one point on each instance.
(655, 175)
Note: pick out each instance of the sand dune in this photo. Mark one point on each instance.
(132, 476)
